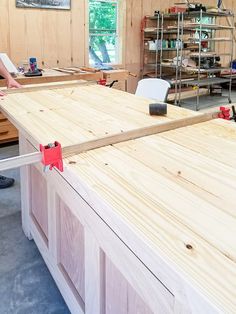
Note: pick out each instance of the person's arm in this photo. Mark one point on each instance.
(11, 83)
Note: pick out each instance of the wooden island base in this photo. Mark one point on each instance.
(139, 227)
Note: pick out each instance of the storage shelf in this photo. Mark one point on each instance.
(188, 69)
(191, 15)
(182, 28)
(166, 32)
(196, 41)
(204, 27)
(211, 70)
(210, 81)
(166, 49)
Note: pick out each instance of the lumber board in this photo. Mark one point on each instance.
(177, 198)
(89, 116)
(133, 134)
(43, 86)
(188, 94)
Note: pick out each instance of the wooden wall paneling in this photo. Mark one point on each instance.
(147, 7)
(4, 26)
(71, 247)
(78, 34)
(133, 40)
(17, 31)
(63, 31)
(34, 35)
(122, 31)
(50, 52)
(39, 208)
(234, 10)
(86, 33)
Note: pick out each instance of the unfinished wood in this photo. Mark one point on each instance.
(188, 94)
(61, 37)
(101, 242)
(88, 113)
(120, 75)
(94, 274)
(120, 297)
(133, 134)
(136, 304)
(146, 201)
(71, 247)
(25, 188)
(50, 76)
(8, 132)
(34, 36)
(39, 208)
(116, 290)
(17, 33)
(178, 202)
(43, 86)
(4, 25)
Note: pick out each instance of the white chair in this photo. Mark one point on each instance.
(153, 88)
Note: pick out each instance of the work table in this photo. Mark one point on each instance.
(158, 210)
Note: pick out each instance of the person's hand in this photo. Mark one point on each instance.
(2, 94)
(11, 83)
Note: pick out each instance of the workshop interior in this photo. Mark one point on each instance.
(117, 157)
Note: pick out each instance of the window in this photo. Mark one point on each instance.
(103, 32)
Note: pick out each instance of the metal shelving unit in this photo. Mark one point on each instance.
(182, 27)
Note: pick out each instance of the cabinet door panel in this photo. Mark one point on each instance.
(39, 208)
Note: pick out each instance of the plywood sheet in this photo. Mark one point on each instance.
(178, 197)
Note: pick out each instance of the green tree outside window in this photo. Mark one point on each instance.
(103, 34)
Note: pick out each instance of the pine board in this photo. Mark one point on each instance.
(78, 114)
(173, 190)
(178, 198)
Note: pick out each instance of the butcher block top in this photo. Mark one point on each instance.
(175, 191)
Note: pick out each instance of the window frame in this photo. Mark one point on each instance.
(120, 33)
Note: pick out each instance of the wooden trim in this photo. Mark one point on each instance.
(134, 134)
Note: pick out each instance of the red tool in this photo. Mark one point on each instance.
(104, 83)
(224, 113)
(50, 156)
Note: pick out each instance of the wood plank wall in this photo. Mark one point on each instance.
(55, 37)
(59, 38)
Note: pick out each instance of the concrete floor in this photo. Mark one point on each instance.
(208, 101)
(26, 286)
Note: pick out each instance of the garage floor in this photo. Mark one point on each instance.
(26, 286)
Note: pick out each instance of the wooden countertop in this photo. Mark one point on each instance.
(80, 113)
(168, 196)
(175, 191)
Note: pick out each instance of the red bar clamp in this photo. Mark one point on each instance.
(52, 156)
(102, 82)
(225, 113)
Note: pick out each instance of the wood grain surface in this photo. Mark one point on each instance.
(176, 192)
